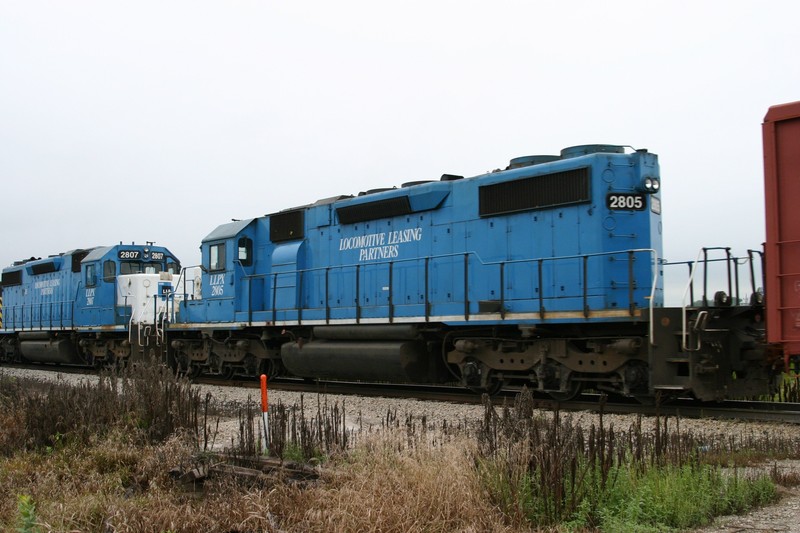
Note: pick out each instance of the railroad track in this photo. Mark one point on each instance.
(728, 410)
(681, 407)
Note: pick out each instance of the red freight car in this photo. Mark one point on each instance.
(781, 130)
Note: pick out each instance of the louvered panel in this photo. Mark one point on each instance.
(388, 208)
(539, 192)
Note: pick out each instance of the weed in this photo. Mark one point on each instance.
(548, 471)
(146, 400)
(27, 514)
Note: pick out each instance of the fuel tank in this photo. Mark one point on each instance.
(396, 332)
(40, 347)
(403, 361)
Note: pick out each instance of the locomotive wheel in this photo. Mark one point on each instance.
(493, 388)
(575, 388)
(110, 362)
(270, 367)
(645, 399)
(194, 371)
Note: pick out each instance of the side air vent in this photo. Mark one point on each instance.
(77, 257)
(44, 268)
(540, 192)
(390, 207)
(11, 278)
(287, 226)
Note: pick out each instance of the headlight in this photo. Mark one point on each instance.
(651, 185)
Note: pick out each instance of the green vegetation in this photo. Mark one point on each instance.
(105, 459)
(549, 472)
(789, 388)
(27, 514)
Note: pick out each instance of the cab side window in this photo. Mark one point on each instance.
(109, 271)
(216, 259)
(245, 254)
(91, 275)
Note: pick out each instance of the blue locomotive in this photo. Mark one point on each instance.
(546, 273)
(86, 306)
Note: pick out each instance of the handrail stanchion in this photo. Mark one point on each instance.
(358, 294)
(327, 296)
(540, 264)
(466, 286)
(274, 298)
(585, 286)
(503, 290)
(631, 283)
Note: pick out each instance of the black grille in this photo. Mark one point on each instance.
(288, 226)
(43, 268)
(391, 207)
(12, 278)
(540, 192)
(77, 257)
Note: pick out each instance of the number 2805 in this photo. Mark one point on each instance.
(630, 202)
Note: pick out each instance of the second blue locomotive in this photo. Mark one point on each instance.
(86, 306)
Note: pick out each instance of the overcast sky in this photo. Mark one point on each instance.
(135, 121)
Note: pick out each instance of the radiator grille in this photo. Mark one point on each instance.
(12, 278)
(44, 268)
(540, 192)
(77, 257)
(288, 226)
(391, 207)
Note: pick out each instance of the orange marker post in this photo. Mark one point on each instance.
(264, 411)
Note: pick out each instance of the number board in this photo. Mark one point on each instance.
(128, 254)
(157, 256)
(626, 202)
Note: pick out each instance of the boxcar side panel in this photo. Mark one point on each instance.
(781, 132)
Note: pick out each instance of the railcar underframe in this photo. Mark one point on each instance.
(84, 347)
(711, 352)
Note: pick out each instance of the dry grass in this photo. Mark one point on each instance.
(109, 487)
(408, 477)
(146, 402)
(116, 476)
(424, 489)
(75, 486)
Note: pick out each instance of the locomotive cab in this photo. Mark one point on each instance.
(228, 275)
(230, 293)
(100, 300)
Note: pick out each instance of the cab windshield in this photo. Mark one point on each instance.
(137, 267)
